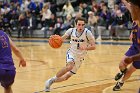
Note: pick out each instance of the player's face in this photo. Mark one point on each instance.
(80, 25)
(134, 11)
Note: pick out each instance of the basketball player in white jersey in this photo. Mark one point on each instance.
(81, 41)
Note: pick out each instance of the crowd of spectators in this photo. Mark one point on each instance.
(26, 17)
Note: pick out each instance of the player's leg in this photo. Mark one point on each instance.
(126, 76)
(123, 65)
(61, 73)
(8, 80)
(60, 76)
(123, 69)
(69, 67)
(72, 71)
(135, 65)
(64, 77)
(8, 90)
(129, 72)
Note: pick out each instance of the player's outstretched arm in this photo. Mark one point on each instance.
(17, 53)
(91, 45)
(64, 37)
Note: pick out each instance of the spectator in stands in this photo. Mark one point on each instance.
(31, 6)
(58, 26)
(14, 20)
(68, 9)
(6, 22)
(6, 8)
(1, 22)
(85, 10)
(102, 21)
(32, 23)
(119, 23)
(19, 10)
(1, 4)
(68, 23)
(25, 5)
(92, 21)
(39, 6)
(12, 5)
(46, 15)
(94, 7)
(51, 27)
(23, 25)
(80, 7)
(53, 7)
(100, 7)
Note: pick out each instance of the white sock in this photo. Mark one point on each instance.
(54, 78)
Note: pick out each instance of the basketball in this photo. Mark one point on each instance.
(55, 41)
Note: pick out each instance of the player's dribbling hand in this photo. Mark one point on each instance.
(23, 63)
(128, 60)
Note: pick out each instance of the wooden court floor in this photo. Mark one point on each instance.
(96, 75)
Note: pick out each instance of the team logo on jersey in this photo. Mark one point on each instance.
(3, 41)
(78, 40)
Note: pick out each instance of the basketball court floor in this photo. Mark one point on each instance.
(96, 75)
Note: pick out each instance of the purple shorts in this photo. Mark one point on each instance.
(7, 77)
(133, 51)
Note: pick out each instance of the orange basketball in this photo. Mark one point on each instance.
(55, 41)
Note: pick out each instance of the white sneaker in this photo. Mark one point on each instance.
(48, 83)
(43, 28)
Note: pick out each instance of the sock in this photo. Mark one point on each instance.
(54, 78)
(124, 71)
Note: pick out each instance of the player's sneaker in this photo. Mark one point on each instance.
(120, 74)
(48, 84)
(118, 86)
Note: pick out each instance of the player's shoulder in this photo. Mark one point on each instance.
(87, 30)
(71, 30)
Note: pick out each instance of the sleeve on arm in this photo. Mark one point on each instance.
(69, 32)
(90, 36)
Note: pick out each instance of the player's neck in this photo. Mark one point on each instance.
(79, 31)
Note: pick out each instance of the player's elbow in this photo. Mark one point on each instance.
(15, 50)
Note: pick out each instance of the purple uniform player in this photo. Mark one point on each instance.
(124, 74)
(7, 68)
(135, 47)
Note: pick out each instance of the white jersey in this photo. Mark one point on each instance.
(81, 40)
(74, 54)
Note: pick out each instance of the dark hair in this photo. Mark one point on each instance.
(81, 19)
(135, 2)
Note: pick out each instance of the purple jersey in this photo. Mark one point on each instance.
(6, 61)
(135, 47)
(136, 36)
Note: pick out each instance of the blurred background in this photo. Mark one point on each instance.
(107, 19)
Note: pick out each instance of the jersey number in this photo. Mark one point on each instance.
(3, 41)
(78, 46)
